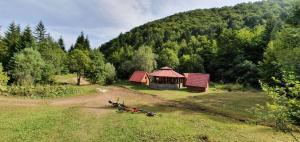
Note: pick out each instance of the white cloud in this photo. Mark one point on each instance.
(102, 20)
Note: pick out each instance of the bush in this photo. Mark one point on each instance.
(43, 91)
(3, 79)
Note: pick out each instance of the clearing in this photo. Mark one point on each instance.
(181, 116)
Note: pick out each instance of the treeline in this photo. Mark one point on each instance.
(29, 57)
(229, 42)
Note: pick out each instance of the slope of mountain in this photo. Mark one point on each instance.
(223, 38)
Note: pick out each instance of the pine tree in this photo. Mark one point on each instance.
(26, 40)
(82, 43)
(61, 44)
(71, 48)
(11, 41)
(40, 32)
(87, 43)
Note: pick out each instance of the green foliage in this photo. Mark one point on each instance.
(53, 55)
(78, 62)
(143, 59)
(109, 73)
(61, 44)
(27, 67)
(45, 91)
(294, 17)
(26, 39)
(3, 51)
(3, 79)
(40, 32)
(218, 41)
(82, 43)
(96, 71)
(11, 41)
(284, 110)
(168, 57)
(193, 63)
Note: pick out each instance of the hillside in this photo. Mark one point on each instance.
(220, 41)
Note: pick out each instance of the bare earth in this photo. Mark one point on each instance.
(96, 103)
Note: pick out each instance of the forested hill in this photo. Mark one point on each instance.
(226, 42)
(209, 22)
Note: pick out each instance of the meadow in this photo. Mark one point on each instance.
(181, 116)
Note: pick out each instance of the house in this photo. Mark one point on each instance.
(166, 78)
(197, 81)
(139, 77)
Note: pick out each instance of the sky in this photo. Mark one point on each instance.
(101, 20)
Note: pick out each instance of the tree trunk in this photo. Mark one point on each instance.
(78, 78)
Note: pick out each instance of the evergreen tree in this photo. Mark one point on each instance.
(71, 48)
(87, 43)
(40, 32)
(11, 41)
(82, 43)
(61, 44)
(26, 40)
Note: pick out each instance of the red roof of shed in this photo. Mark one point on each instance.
(138, 76)
(196, 79)
(166, 72)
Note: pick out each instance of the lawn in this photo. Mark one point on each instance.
(236, 104)
(45, 123)
(192, 117)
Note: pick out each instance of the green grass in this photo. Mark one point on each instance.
(166, 94)
(235, 104)
(45, 123)
(66, 79)
(198, 117)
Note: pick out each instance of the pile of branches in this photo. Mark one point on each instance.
(123, 108)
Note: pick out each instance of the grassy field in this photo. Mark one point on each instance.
(89, 118)
(236, 104)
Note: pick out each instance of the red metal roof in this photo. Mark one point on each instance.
(166, 72)
(138, 76)
(197, 79)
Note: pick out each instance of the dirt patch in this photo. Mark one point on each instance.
(12, 101)
(94, 103)
(98, 103)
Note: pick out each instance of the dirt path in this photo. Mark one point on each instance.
(97, 103)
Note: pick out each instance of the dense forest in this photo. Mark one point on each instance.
(230, 43)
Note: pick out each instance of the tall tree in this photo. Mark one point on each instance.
(144, 59)
(53, 55)
(40, 32)
(26, 40)
(3, 51)
(82, 43)
(168, 57)
(61, 44)
(11, 41)
(95, 72)
(79, 61)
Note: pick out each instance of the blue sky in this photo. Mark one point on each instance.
(101, 20)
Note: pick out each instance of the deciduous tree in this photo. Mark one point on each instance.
(79, 61)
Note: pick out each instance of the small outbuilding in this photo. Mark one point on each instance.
(197, 81)
(139, 77)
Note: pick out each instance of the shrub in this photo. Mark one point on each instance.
(43, 91)
(3, 79)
